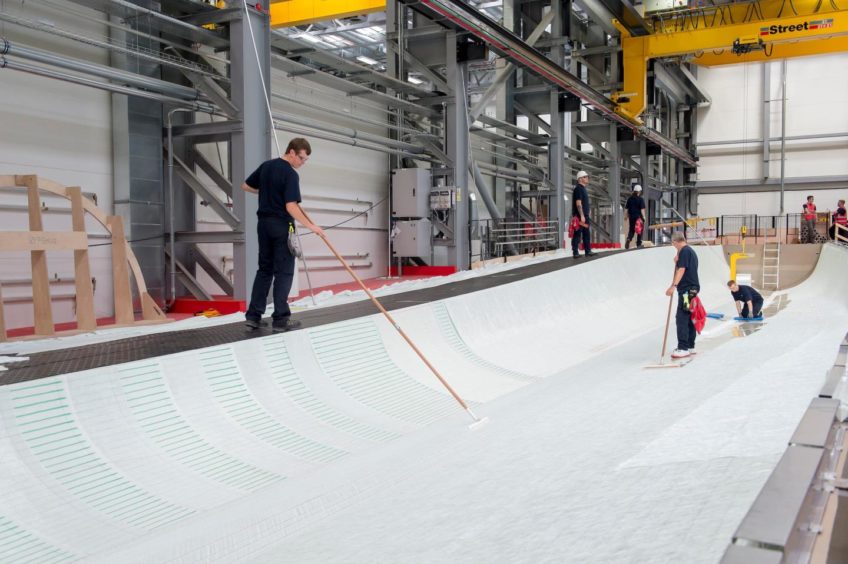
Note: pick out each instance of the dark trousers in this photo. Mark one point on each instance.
(685, 328)
(276, 264)
(808, 231)
(582, 233)
(632, 231)
(758, 308)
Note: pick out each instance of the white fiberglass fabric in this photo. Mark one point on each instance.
(335, 444)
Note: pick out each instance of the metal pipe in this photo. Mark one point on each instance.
(808, 137)
(169, 61)
(484, 191)
(118, 89)
(347, 115)
(508, 172)
(157, 15)
(102, 71)
(126, 29)
(783, 138)
(171, 234)
(319, 134)
(348, 132)
(766, 120)
(526, 162)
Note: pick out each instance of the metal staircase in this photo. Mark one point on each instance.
(771, 266)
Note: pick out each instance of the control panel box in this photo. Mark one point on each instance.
(412, 238)
(411, 192)
(442, 199)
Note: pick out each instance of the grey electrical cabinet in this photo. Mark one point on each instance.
(413, 238)
(411, 192)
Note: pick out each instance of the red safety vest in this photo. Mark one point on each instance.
(811, 211)
(841, 219)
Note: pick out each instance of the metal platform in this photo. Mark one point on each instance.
(65, 361)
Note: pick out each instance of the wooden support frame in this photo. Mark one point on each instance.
(39, 242)
(840, 233)
(120, 272)
(40, 278)
(86, 318)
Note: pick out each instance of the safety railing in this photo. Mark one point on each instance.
(499, 238)
(758, 229)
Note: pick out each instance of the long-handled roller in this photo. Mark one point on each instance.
(477, 420)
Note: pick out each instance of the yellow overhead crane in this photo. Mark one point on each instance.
(728, 34)
(286, 13)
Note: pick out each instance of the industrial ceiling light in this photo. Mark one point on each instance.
(414, 80)
(366, 60)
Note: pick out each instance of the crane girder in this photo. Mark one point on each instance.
(717, 42)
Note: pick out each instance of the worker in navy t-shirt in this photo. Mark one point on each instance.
(580, 210)
(751, 300)
(687, 285)
(635, 207)
(278, 186)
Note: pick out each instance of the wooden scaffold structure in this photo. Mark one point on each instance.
(39, 242)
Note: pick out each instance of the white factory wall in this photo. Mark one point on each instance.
(62, 132)
(767, 203)
(817, 104)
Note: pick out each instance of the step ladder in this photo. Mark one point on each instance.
(771, 266)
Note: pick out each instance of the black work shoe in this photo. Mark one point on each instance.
(576, 255)
(287, 324)
(254, 324)
(590, 254)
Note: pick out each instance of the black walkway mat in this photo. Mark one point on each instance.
(64, 361)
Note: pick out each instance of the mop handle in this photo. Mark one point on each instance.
(394, 323)
(668, 317)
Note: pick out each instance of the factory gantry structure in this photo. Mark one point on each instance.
(505, 100)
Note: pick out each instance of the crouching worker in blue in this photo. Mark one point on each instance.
(687, 285)
(278, 186)
(749, 302)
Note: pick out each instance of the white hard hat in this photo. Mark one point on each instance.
(637, 188)
(581, 174)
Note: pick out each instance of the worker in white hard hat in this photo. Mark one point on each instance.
(580, 216)
(635, 208)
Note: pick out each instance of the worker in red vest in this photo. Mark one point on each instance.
(840, 217)
(808, 226)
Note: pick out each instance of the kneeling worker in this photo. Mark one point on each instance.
(751, 301)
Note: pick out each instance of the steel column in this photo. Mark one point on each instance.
(614, 185)
(556, 145)
(251, 145)
(456, 145)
